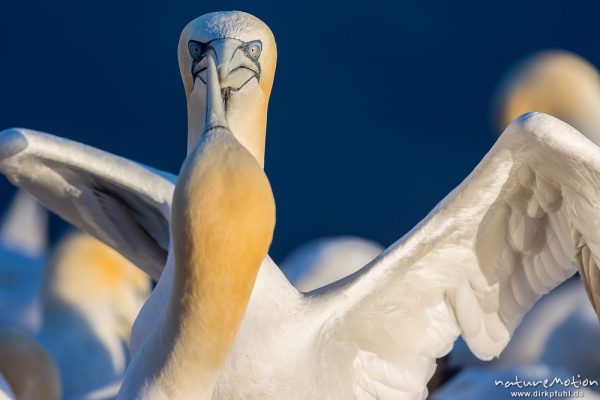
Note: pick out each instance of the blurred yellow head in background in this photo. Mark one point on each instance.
(94, 279)
(554, 82)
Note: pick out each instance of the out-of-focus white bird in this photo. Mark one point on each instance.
(23, 249)
(515, 228)
(27, 371)
(91, 297)
(323, 261)
(499, 383)
(86, 304)
(554, 82)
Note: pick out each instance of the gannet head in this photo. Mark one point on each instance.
(244, 51)
(555, 82)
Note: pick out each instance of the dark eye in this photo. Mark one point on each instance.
(196, 49)
(253, 49)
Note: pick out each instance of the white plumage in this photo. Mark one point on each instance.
(379, 331)
(510, 232)
(548, 335)
(567, 86)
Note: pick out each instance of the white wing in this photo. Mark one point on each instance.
(506, 236)
(122, 203)
(547, 335)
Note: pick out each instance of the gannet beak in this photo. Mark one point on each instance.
(236, 63)
(215, 109)
(224, 51)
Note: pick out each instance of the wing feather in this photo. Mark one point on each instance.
(122, 203)
(517, 227)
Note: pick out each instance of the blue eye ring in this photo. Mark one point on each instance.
(253, 49)
(196, 49)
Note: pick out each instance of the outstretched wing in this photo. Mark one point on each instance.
(514, 229)
(124, 204)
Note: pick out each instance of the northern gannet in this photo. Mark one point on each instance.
(91, 297)
(27, 368)
(223, 218)
(554, 82)
(519, 225)
(23, 250)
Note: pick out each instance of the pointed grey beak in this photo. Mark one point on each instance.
(215, 110)
(224, 51)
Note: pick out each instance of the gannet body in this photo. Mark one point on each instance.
(27, 369)
(23, 251)
(326, 260)
(91, 297)
(519, 225)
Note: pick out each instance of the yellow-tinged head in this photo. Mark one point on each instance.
(555, 82)
(28, 368)
(244, 51)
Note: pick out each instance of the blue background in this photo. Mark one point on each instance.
(401, 93)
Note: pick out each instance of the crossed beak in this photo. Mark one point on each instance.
(234, 66)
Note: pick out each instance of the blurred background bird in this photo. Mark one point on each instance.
(91, 298)
(555, 82)
(76, 302)
(23, 248)
(27, 371)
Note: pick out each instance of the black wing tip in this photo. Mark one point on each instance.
(12, 141)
